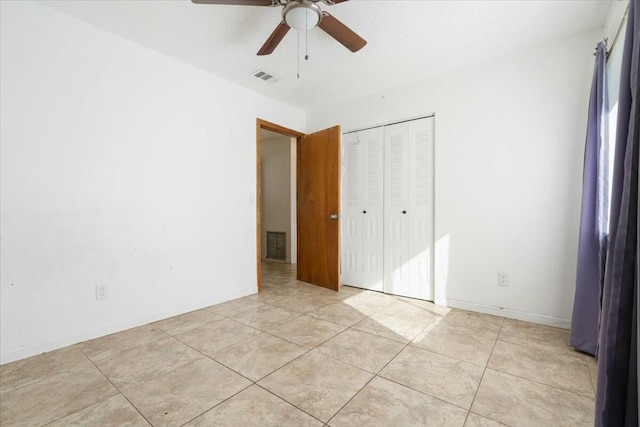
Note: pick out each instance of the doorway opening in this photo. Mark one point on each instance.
(276, 216)
(317, 203)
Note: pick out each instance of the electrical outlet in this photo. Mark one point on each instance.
(102, 292)
(503, 279)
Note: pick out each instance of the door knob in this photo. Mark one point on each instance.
(333, 216)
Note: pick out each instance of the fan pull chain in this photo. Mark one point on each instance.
(298, 55)
(306, 40)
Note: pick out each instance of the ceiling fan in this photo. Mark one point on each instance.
(301, 15)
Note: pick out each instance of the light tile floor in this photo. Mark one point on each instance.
(300, 355)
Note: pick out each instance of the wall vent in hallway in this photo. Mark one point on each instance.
(277, 245)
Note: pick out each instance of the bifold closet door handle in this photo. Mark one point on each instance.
(364, 212)
(404, 212)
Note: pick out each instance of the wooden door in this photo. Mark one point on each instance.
(318, 160)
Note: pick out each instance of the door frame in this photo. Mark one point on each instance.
(265, 125)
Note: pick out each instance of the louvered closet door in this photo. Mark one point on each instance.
(420, 174)
(396, 199)
(372, 212)
(408, 208)
(363, 209)
(351, 220)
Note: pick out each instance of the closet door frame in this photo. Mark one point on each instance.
(431, 292)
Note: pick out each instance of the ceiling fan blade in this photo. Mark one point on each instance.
(338, 1)
(341, 33)
(274, 39)
(236, 2)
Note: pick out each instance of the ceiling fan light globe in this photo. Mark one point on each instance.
(302, 15)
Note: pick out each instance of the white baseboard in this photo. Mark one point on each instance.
(511, 314)
(56, 344)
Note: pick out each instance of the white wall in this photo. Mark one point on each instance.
(508, 163)
(276, 189)
(119, 166)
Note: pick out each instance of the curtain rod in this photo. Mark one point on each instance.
(619, 30)
(390, 124)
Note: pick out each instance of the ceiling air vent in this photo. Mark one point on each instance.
(265, 76)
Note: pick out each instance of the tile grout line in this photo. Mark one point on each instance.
(447, 355)
(81, 349)
(540, 383)
(550, 349)
(307, 352)
(351, 364)
(331, 321)
(165, 335)
(238, 373)
(405, 346)
(483, 373)
(419, 391)
(423, 393)
(351, 398)
(213, 360)
(206, 356)
(275, 325)
(375, 375)
(221, 364)
(260, 331)
(286, 401)
(174, 335)
(118, 389)
(303, 346)
(380, 336)
(316, 347)
(217, 404)
(11, 389)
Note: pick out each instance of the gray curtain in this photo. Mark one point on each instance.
(594, 217)
(617, 392)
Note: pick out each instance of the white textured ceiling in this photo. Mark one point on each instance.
(407, 40)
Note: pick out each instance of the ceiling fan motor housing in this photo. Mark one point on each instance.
(302, 14)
